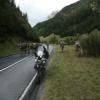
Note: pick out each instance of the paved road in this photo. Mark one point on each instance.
(6, 61)
(15, 79)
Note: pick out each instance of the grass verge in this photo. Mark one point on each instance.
(72, 78)
(8, 48)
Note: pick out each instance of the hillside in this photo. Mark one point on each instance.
(14, 23)
(14, 28)
(80, 17)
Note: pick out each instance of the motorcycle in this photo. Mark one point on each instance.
(40, 64)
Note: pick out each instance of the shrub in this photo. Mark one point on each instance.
(70, 40)
(53, 39)
(56, 39)
(91, 43)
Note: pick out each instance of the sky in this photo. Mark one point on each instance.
(39, 10)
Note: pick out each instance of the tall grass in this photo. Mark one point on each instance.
(72, 78)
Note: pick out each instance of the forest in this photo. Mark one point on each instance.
(14, 24)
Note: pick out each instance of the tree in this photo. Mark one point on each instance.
(13, 23)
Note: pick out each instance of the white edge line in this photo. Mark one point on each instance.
(12, 64)
(27, 88)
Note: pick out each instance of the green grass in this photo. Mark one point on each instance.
(72, 78)
(7, 48)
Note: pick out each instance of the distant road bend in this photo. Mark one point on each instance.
(16, 77)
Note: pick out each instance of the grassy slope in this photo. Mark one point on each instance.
(73, 78)
(7, 48)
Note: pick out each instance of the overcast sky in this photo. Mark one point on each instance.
(38, 10)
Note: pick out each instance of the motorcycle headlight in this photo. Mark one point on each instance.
(40, 54)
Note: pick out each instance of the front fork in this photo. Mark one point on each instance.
(41, 74)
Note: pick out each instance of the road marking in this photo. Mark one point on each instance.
(13, 64)
(27, 88)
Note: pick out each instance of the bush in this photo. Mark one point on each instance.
(53, 39)
(56, 39)
(91, 43)
(70, 40)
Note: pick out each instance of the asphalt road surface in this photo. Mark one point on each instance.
(6, 61)
(16, 77)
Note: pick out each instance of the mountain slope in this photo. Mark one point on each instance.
(13, 23)
(80, 17)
